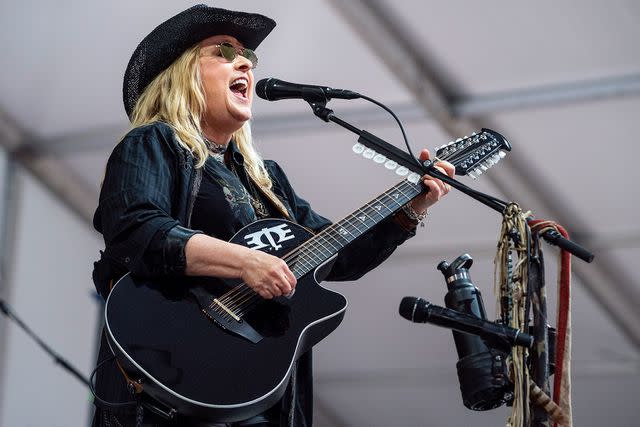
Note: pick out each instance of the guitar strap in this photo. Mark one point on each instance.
(131, 384)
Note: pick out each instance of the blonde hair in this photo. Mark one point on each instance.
(176, 97)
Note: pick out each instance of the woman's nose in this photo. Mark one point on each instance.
(242, 63)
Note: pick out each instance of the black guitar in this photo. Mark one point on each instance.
(214, 349)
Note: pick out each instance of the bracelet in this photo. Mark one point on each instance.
(413, 215)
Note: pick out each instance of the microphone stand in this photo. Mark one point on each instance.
(318, 101)
(4, 307)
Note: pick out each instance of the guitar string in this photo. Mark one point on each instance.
(314, 241)
(327, 231)
(359, 223)
(353, 217)
(248, 296)
(246, 293)
(307, 249)
(323, 246)
(298, 254)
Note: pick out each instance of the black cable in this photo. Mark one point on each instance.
(103, 403)
(443, 177)
(404, 134)
(4, 307)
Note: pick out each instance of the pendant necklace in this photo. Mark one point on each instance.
(259, 207)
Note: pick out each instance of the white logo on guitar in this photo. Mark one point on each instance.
(282, 232)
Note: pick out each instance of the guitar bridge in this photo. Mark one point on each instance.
(227, 310)
(223, 316)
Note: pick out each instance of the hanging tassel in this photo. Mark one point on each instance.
(511, 294)
(562, 376)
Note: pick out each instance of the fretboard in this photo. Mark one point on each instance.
(332, 239)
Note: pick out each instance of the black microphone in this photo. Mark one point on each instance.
(418, 310)
(273, 89)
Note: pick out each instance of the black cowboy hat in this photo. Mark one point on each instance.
(170, 39)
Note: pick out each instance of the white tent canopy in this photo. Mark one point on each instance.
(559, 80)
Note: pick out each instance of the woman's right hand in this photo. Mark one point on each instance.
(267, 275)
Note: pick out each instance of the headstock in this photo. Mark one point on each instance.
(473, 155)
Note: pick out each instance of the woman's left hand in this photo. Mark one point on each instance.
(437, 188)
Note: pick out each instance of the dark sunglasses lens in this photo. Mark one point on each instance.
(251, 56)
(227, 51)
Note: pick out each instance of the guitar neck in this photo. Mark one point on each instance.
(471, 155)
(332, 239)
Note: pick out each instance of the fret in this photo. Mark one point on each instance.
(332, 239)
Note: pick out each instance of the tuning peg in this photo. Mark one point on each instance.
(413, 177)
(472, 174)
(379, 158)
(390, 164)
(358, 148)
(477, 171)
(402, 171)
(502, 154)
(369, 153)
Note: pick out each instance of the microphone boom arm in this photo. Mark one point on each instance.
(318, 105)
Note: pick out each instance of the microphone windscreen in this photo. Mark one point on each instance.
(261, 88)
(407, 307)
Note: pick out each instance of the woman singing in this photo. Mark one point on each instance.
(187, 177)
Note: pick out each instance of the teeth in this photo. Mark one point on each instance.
(240, 81)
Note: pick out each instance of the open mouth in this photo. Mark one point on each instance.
(239, 87)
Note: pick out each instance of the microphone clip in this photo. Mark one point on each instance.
(318, 103)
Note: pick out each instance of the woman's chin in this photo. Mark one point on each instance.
(241, 114)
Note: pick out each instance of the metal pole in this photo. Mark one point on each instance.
(9, 206)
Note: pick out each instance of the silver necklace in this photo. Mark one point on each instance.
(215, 150)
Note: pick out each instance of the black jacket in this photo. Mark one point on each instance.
(144, 214)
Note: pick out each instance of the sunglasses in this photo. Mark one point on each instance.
(230, 52)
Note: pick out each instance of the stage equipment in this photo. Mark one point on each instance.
(419, 310)
(485, 349)
(514, 293)
(59, 360)
(273, 89)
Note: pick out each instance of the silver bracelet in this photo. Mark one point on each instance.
(413, 215)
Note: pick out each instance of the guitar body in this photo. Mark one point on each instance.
(196, 364)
